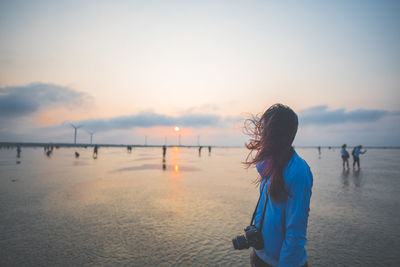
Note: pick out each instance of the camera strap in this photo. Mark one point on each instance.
(255, 210)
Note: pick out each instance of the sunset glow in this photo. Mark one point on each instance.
(176, 168)
(104, 72)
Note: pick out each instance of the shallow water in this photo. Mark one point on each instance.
(134, 209)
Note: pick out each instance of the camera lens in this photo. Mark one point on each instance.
(240, 242)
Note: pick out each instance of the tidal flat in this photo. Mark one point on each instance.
(136, 209)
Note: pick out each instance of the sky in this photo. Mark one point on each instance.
(133, 70)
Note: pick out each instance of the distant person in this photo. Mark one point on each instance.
(319, 150)
(19, 149)
(129, 149)
(356, 155)
(285, 181)
(209, 150)
(345, 156)
(95, 151)
(200, 147)
(164, 152)
(76, 154)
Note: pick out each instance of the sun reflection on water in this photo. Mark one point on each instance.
(176, 168)
(176, 159)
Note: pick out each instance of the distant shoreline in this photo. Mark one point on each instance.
(59, 145)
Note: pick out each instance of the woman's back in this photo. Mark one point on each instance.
(285, 181)
(285, 223)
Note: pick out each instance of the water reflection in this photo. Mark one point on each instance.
(176, 159)
(357, 177)
(176, 168)
(345, 177)
(98, 216)
(175, 183)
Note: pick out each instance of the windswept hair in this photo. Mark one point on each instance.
(271, 138)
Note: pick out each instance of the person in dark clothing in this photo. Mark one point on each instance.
(95, 151)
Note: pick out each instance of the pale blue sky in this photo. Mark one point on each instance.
(208, 58)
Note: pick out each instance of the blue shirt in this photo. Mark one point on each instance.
(357, 152)
(285, 223)
(344, 153)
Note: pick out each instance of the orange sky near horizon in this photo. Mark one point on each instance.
(222, 58)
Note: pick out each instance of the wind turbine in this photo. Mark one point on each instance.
(91, 136)
(76, 127)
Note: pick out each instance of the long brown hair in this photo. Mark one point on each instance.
(271, 138)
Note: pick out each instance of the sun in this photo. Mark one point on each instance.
(176, 129)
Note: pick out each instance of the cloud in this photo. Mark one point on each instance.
(321, 115)
(21, 101)
(151, 119)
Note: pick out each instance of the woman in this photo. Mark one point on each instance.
(288, 181)
(345, 156)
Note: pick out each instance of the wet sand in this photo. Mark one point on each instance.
(134, 209)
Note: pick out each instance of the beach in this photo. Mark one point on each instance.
(135, 209)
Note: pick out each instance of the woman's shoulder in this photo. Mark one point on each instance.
(298, 169)
(299, 163)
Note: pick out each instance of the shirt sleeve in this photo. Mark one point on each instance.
(296, 212)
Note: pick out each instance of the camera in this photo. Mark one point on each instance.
(252, 238)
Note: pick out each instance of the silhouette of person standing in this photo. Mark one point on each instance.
(95, 151)
(345, 156)
(19, 149)
(164, 152)
(356, 155)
